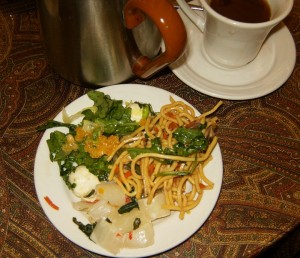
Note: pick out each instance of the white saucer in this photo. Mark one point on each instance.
(271, 68)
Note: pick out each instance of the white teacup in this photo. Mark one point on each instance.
(232, 44)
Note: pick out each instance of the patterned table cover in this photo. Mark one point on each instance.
(259, 204)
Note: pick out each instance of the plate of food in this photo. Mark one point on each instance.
(129, 170)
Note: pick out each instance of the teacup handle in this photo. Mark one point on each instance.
(198, 20)
(170, 25)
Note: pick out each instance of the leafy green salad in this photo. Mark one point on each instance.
(109, 117)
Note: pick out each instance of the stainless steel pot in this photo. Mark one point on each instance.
(104, 42)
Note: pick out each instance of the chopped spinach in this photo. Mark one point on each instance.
(146, 109)
(136, 223)
(110, 115)
(53, 123)
(86, 229)
(55, 143)
(128, 207)
(189, 141)
(156, 147)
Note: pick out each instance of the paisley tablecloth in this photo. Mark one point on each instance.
(258, 211)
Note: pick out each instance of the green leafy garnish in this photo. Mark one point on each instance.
(55, 143)
(128, 207)
(111, 115)
(189, 141)
(53, 123)
(156, 147)
(86, 229)
(136, 223)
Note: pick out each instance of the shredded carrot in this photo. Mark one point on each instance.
(95, 201)
(142, 122)
(127, 174)
(48, 200)
(171, 114)
(155, 128)
(151, 169)
(100, 190)
(202, 186)
(173, 126)
(117, 170)
(165, 135)
(127, 199)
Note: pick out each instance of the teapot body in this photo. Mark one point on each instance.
(88, 43)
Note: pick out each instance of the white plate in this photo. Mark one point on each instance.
(169, 232)
(271, 68)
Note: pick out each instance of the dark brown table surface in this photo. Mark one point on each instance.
(259, 204)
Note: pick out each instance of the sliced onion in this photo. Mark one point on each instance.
(154, 210)
(111, 192)
(141, 237)
(106, 235)
(101, 210)
(82, 205)
(124, 222)
(69, 119)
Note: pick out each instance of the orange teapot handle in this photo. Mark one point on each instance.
(170, 25)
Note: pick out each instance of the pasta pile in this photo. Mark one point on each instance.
(182, 179)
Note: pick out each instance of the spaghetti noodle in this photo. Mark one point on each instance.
(179, 177)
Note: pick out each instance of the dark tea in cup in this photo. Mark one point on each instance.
(249, 11)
